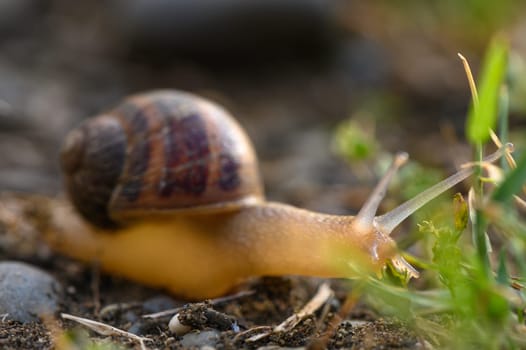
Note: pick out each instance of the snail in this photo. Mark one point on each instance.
(169, 195)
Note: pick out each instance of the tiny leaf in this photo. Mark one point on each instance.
(513, 183)
(461, 212)
(502, 270)
(483, 117)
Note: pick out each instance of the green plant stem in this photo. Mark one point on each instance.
(504, 102)
(481, 242)
(479, 224)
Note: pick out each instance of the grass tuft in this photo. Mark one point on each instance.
(482, 116)
(472, 291)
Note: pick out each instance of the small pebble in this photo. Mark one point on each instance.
(143, 327)
(357, 323)
(130, 316)
(198, 339)
(159, 303)
(26, 292)
(177, 327)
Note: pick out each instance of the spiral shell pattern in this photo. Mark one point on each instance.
(156, 153)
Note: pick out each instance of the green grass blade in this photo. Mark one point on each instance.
(504, 107)
(483, 117)
(502, 271)
(513, 182)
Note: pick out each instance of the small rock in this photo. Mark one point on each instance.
(159, 303)
(175, 326)
(27, 292)
(144, 326)
(199, 339)
(357, 323)
(130, 316)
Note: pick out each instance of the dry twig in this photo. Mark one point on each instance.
(323, 294)
(105, 329)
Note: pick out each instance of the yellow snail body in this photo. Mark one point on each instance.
(170, 186)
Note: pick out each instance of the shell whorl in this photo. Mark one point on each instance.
(159, 151)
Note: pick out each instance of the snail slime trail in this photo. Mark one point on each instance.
(169, 195)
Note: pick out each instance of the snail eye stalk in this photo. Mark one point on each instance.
(389, 221)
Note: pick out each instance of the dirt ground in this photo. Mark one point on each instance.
(269, 302)
(247, 318)
(289, 92)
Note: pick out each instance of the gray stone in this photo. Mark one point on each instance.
(26, 292)
(200, 338)
(160, 303)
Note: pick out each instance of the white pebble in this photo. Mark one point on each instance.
(177, 327)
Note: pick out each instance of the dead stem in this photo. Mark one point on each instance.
(105, 329)
(350, 302)
(323, 294)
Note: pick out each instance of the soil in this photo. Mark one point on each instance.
(242, 320)
(269, 301)
(289, 91)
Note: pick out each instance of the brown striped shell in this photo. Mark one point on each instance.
(159, 151)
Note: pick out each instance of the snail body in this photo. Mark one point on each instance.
(204, 256)
(169, 194)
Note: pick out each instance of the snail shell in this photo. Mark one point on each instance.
(162, 151)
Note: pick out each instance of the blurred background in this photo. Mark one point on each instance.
(295, 73)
